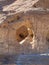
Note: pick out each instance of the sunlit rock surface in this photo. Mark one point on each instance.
(42, 3)
(24, 32)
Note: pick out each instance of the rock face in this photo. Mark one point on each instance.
(42, 3)
(24, 32)
(24, 27)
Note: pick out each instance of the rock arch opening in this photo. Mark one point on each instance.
(21, 33)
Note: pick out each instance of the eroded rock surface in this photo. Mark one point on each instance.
(42, 3)
(24, 27)
(22, 13)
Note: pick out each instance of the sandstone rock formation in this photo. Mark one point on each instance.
(20, 21)
(24, 27)
(43, 4)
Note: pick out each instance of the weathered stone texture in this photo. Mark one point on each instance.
(24, 32)
(42, 4)
(38, 23)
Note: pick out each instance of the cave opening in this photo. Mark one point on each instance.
(21, 33)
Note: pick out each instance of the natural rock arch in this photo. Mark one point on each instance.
(21, 33)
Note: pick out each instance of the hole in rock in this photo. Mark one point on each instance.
(21, 33)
